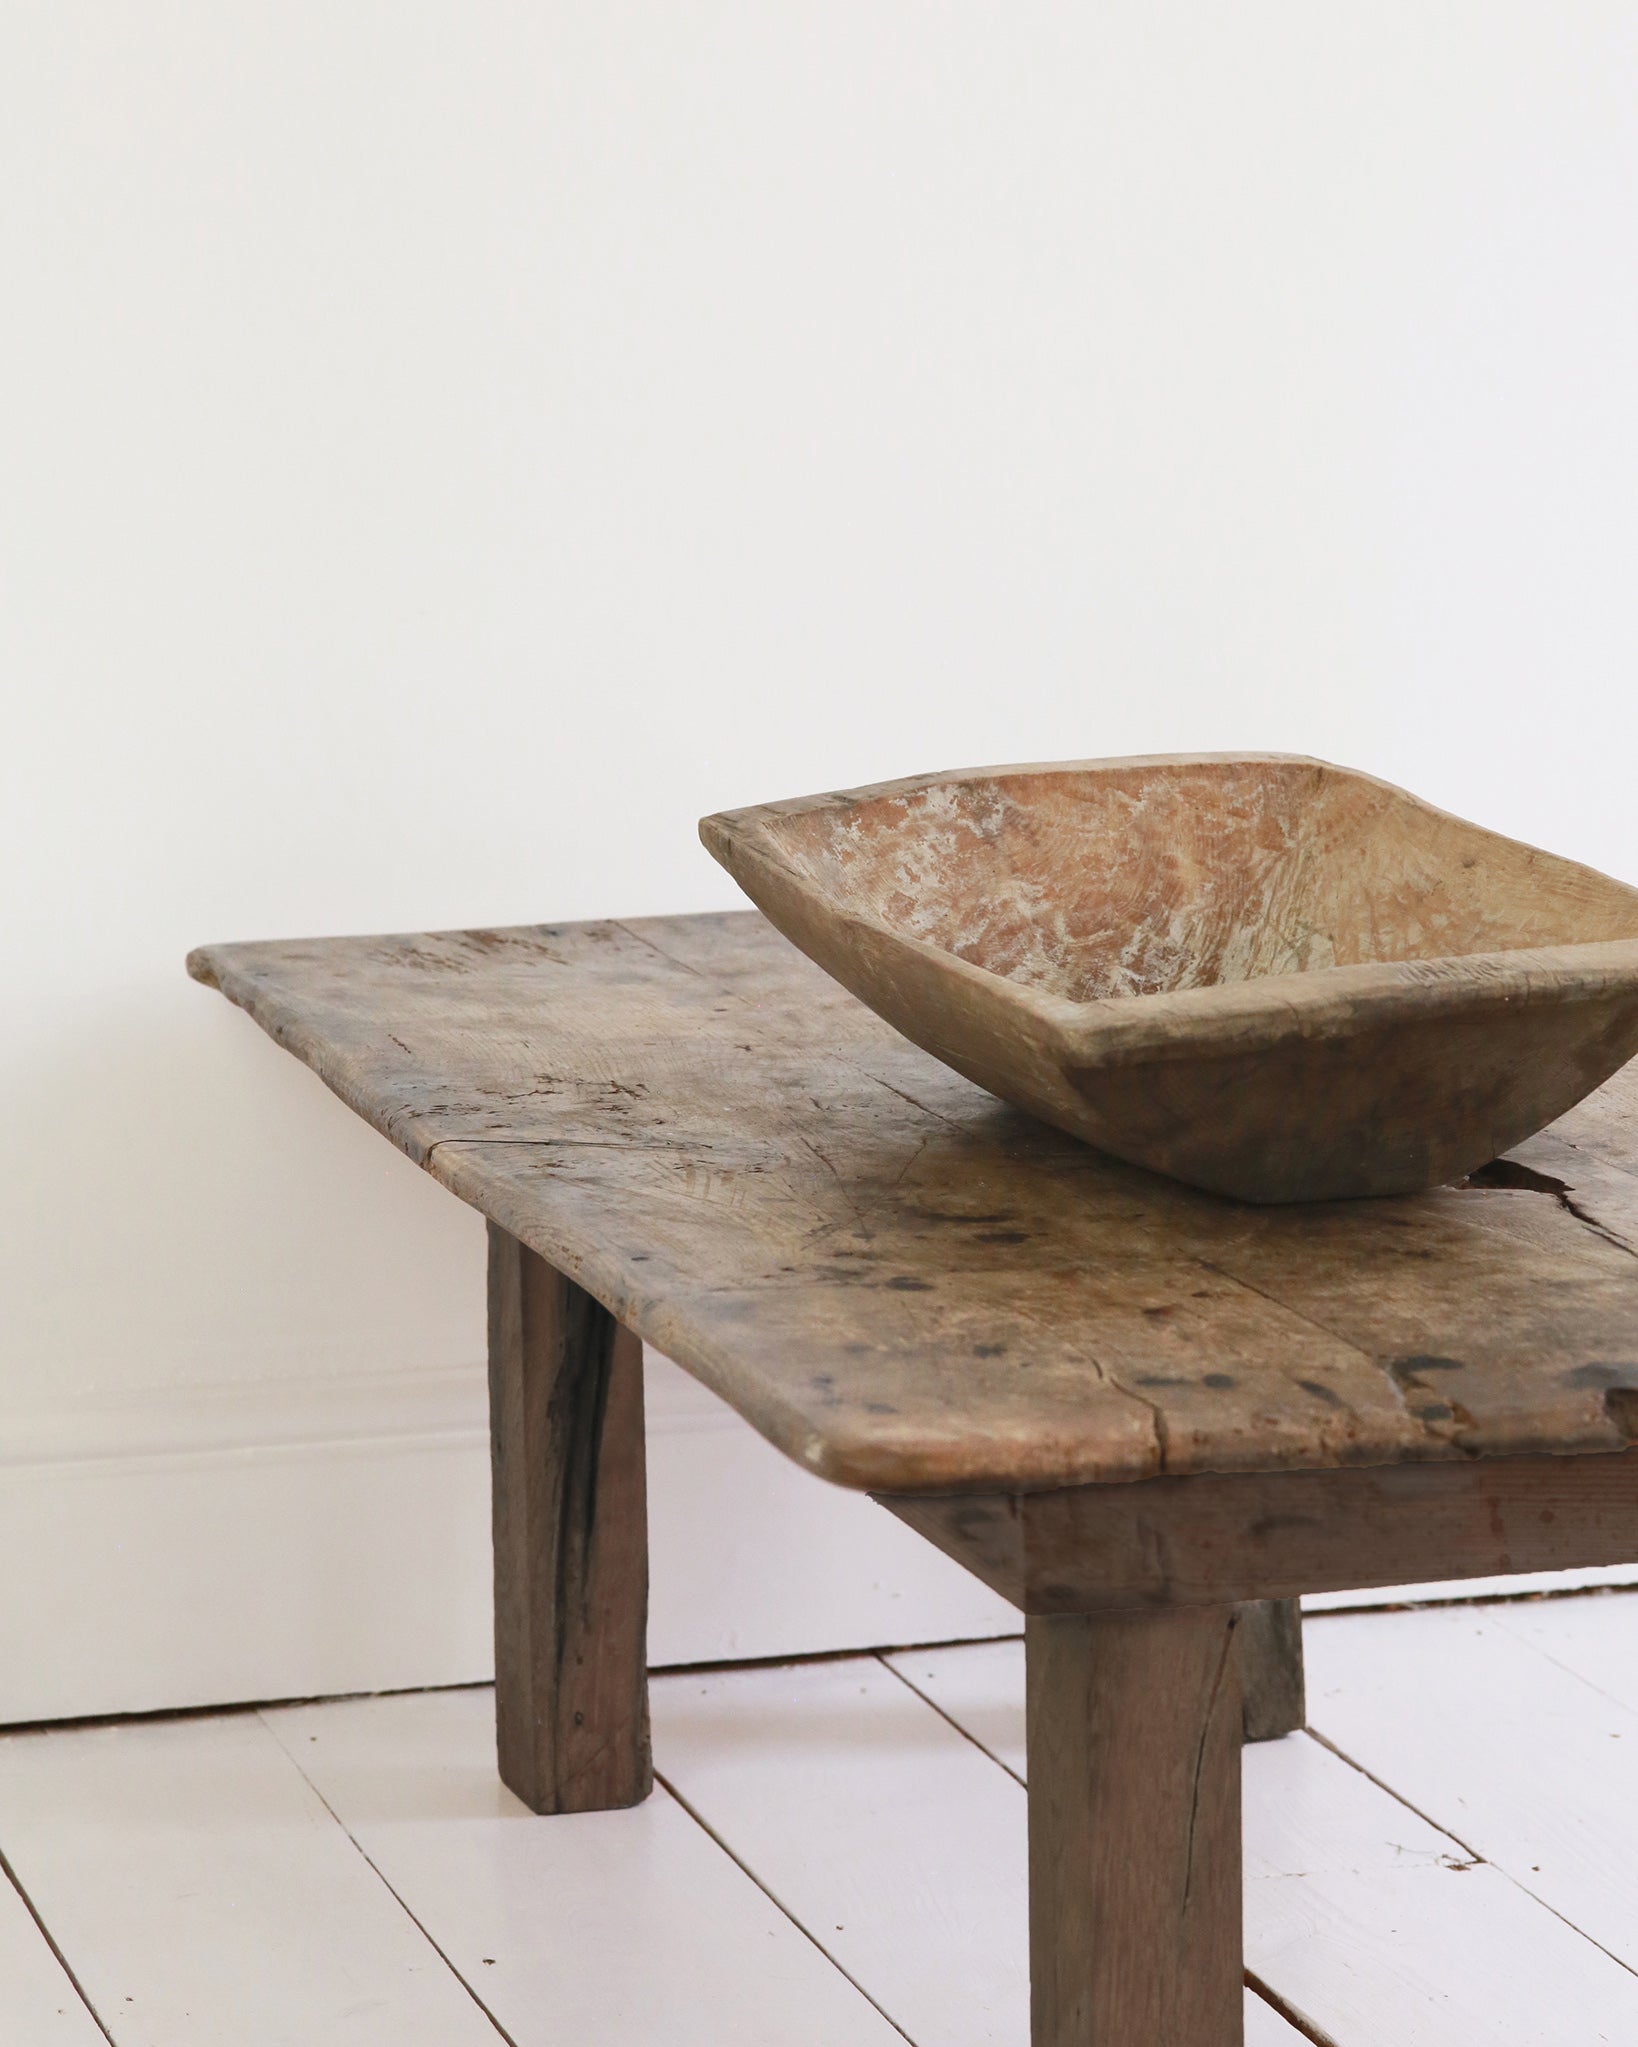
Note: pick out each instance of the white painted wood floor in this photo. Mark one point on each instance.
(836, 1856)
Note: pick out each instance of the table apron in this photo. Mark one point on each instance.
(1219, 1539)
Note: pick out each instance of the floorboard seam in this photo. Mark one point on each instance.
(1483, 1861)
(779, 1904)
(50, 1940)
(1293, 2018)
(1580, 1676)
(1255, 1983)
(397, 1896)
(910, 1685)
(1546, 1905)
(1398, 1797)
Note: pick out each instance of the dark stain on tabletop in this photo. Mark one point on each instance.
(1601, 1376)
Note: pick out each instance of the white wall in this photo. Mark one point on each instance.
(444, 449)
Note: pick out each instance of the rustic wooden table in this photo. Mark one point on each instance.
(1130, 1408)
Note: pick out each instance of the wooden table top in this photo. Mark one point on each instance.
(909, 1287)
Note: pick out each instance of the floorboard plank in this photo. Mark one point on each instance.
(888, 1834)
(1595, 1638)
(202, 1891)
(1265, 2027)
(891, 1839)
(612, 1929)
(39, 2006)
(1532, 1765)
(202, 1894)
(1366, 1921)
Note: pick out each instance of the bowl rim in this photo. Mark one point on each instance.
(1227, 1016)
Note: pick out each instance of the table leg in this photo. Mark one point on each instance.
(1134, 1729)
(1268, 1643)
(571, 1540)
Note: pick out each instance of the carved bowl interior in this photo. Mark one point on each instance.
(1269, 976)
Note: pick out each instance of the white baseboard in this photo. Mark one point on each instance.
(311, 1538)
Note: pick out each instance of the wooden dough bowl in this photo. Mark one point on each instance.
(1264, 975)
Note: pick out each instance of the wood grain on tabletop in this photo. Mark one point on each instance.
(908, 1286)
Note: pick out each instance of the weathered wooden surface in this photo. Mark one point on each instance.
(1273, 1689)
(1273, 1535)
(1134, 1830)
(1271, 977)
(911, 1288)
(571, 1540)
